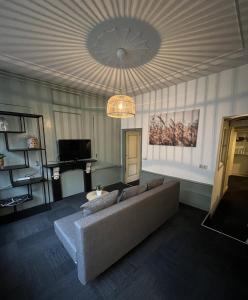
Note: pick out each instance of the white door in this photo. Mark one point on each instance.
(218, 187)
(133, 156)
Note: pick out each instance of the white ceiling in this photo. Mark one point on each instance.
(47, 40)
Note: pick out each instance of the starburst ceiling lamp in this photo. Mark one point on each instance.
(121, 106)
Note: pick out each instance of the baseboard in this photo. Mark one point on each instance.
(203, 205)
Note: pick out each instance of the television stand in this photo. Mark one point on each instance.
(64, 166)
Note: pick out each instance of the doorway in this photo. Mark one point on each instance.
(229, 204)
(131, 155)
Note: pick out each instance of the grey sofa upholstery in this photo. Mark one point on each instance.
(65, 230)
(99, 240)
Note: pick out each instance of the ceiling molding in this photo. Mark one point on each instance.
(63, 88)
(54, 42)
(46, 70)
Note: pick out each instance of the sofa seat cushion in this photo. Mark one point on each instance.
(65, 230)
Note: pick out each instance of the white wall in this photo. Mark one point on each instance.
(217, 95)
(66, 115)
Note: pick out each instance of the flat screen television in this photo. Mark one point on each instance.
(74, 149)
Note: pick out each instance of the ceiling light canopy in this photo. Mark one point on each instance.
(140, 40)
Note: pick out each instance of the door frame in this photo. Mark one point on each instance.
(230, 158)
(219, 185)
(123, 150)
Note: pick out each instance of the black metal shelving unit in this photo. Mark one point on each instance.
(43, 179)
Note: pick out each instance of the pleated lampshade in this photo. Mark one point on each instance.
(121, 106)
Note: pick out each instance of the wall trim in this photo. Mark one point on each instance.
(55, 86)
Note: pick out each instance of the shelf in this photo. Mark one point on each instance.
(22, 149)
(28, 181)
(13, 167)
(26, 149)
(12, 131)
(10, 202)
(69, 162)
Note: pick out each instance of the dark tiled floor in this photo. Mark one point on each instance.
(231, 216)
(181, 260)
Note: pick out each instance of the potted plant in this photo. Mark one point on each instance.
(99, 189)
(2, 160)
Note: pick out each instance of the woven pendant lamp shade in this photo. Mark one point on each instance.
(121, 106)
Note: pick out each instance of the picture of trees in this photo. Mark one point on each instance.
(174, 129)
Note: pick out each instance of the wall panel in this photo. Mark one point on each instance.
(68, 125)
(217, 95)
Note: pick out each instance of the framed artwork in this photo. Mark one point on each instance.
(174, 128)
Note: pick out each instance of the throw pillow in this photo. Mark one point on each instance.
(154, 183)
(131, 192)
(99, 203)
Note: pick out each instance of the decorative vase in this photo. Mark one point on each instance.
(98, 193)
(33, 142)
(3, 124)
(1, 163)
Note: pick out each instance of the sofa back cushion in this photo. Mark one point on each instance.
(99, 203)
(131, 192)
(154, 183)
